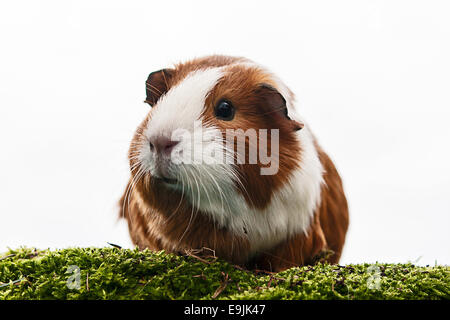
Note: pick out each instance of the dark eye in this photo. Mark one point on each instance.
(224, 110)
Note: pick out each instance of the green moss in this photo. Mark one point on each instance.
(112, 273)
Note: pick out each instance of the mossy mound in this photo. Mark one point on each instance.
(112, 273)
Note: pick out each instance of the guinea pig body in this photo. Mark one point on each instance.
(223, 162)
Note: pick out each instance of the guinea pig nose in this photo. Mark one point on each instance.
(162, 144)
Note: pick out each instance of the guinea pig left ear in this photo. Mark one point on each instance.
(276, 102)
(157, 84)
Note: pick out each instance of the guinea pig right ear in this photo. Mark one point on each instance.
(157, 84)
(276, 102)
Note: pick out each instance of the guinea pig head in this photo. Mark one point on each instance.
(217, 128)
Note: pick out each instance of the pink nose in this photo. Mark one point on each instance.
(162, 145)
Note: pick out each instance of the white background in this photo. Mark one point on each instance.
(372, 78)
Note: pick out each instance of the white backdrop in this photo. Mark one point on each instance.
(372, 78)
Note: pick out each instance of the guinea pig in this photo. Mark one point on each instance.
(223, 163)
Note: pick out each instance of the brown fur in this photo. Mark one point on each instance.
(160, 218)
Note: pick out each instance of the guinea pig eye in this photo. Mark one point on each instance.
(224, 110)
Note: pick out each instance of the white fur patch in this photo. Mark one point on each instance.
(182, 105)
(179, 108)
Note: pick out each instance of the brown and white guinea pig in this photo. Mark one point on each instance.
(272, 202)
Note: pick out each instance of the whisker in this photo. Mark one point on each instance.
(181, 199)
(192, 211)
(133, 183)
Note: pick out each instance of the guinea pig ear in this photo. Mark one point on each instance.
(157, 85)
(276, 102)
